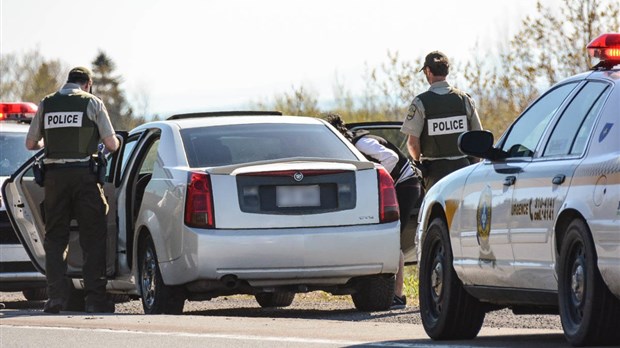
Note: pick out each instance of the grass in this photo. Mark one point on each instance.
(411, 285)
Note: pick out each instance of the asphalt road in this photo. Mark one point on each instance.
(239, 322)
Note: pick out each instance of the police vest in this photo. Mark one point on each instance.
(68, 132)
(446, 119)
(402, 159)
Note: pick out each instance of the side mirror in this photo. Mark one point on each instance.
(479, 143)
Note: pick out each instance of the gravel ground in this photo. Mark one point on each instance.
(316, 305)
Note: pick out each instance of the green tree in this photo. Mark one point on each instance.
(106, 85)
(29, 77)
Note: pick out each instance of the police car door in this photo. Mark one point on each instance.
(24, 203)
(541, 188)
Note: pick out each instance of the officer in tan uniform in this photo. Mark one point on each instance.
(435, 120)
(70, 123)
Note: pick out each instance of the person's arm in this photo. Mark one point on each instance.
(371, 147)
(102, 119)
(34, 138)
(111, 143)
(413, 145)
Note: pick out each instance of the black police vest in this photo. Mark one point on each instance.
(446, 119)
(402, 159)
(68, 132)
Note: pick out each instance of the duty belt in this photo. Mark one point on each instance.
(84, 164)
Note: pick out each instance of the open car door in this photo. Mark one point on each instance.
(24, 200)
(390, 131)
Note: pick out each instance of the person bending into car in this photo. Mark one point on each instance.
(406, 182)
(436, 119)
(71, 122)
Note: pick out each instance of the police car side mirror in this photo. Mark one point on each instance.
(479, 143)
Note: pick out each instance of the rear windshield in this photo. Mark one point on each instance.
(13, 152)
(234, 144)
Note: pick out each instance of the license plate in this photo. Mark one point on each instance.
(298, 196)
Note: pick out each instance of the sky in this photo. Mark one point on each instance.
(206, 55)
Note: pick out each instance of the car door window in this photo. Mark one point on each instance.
(571, 132)
(130, 145)
(528, 129)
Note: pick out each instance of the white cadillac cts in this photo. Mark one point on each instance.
(205, 205)
(535, 226)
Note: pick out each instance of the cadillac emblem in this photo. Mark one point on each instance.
(298, 176)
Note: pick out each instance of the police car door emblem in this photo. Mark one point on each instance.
(483, 222)
(298, 176)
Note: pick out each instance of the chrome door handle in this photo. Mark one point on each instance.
(558, 179)
(510, 180)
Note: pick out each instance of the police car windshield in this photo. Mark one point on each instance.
(234, 144)
(13, 152)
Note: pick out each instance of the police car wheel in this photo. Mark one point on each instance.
(373, 293)
(588, 310)
(157, 297)
(446, 309)
(275, 299)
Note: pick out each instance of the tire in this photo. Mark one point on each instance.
(448, 312)
(157, 297)
(374, 293)
(275, 299)
(36, 294)
(589, 312)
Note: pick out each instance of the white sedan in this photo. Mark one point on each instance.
(535, 226)
(205, 205)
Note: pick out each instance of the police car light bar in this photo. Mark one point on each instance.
(17, 111)
(606, 48)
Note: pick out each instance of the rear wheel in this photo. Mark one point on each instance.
(157, 297)
(36, 294)
(588, 310)
(374, 293)
(275, 299)
(447, 310)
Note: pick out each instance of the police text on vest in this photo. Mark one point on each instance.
(447, 125)
(63, 119)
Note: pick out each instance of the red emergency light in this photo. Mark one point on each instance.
(606, 48)
(17, 111)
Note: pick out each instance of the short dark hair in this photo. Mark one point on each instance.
(80, 75)
(438, 63)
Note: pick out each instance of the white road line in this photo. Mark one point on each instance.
(247, 337)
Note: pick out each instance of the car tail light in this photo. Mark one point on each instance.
(17, 111)
(199, 201)
(388, 203)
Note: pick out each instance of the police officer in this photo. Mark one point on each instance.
(406, 183)
(435, 120)
(70, 123)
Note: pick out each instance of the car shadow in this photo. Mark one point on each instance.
(537, 340)
(319, 314)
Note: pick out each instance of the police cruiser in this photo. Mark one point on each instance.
(534, 226)
(17, 273)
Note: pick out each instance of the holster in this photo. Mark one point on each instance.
(38, 170)
(98, 166)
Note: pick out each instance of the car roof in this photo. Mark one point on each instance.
(234, 120)
(14, 127)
